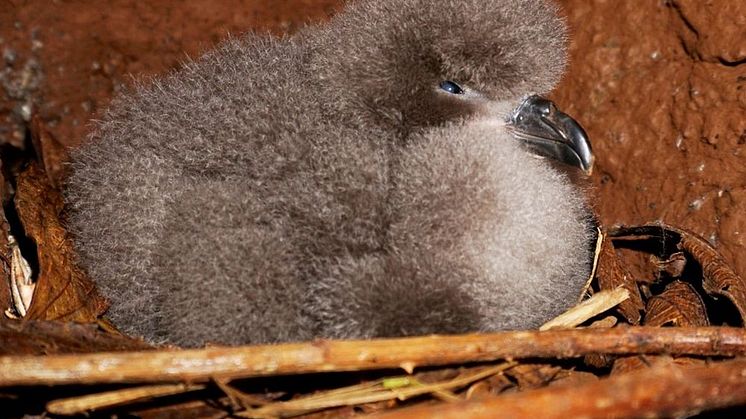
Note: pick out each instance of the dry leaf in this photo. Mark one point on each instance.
(21, 285)
(5, 251)
(63, 291)
(636, 362)
(719, 279)
(611, 274)
(573, 377)
(678, 305)
(601, 360)
(51, 153)
(530, 376)
(673, 266)
(491, 386)
(5, 263)
(47, 338)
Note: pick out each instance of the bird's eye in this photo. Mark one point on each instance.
(451, 87)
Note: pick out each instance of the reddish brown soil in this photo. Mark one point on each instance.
(660, 87)
(87, 49)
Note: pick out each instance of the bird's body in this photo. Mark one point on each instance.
(328, 184)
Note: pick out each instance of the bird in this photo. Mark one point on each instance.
(391, 172)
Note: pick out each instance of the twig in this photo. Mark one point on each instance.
(597, 304)
(656, 392)
(83, 404)
(326, 356)
(238, 399)
(374, 393)
(600, 237)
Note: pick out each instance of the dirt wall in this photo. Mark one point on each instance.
(659, 85)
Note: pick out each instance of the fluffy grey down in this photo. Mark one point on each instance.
(322, 185)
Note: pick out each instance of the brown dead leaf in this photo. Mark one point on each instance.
(5, 251)
(530, 376)
(673, 266)
(601, 360)
(636, 362)
(489, 386)
(47, 338)
(51, 153)
(5, 257)
(678, 305)
(719, 279)
(63, 291)
(573, 377)
(612, 274)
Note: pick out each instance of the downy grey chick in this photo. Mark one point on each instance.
(371, 177)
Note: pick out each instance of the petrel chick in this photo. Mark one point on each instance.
(387, 174)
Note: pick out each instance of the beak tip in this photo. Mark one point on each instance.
(547, 131)
(591, 165)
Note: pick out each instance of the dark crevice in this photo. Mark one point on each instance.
(27, 246)
(14, 160)
(728, 63)
(691, 53)
(677, 8)
(688, 45)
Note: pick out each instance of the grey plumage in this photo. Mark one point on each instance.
(321, 185)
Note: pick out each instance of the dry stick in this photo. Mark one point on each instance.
(326, 356)
(600, 237)
(659, 391)
(370, 395)
(83, 404)
(598, 303)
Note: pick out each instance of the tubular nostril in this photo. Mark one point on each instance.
(545, 108)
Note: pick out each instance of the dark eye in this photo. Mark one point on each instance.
(451, 87)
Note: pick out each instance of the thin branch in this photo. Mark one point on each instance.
(656, 392)
(597, 304)
(83, 404)
(376, 392)
(326, 356)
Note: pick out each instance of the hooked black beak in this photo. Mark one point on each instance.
(550, 133)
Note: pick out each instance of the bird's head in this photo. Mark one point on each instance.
(416, 64)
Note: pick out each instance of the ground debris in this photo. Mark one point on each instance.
(63, 291)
